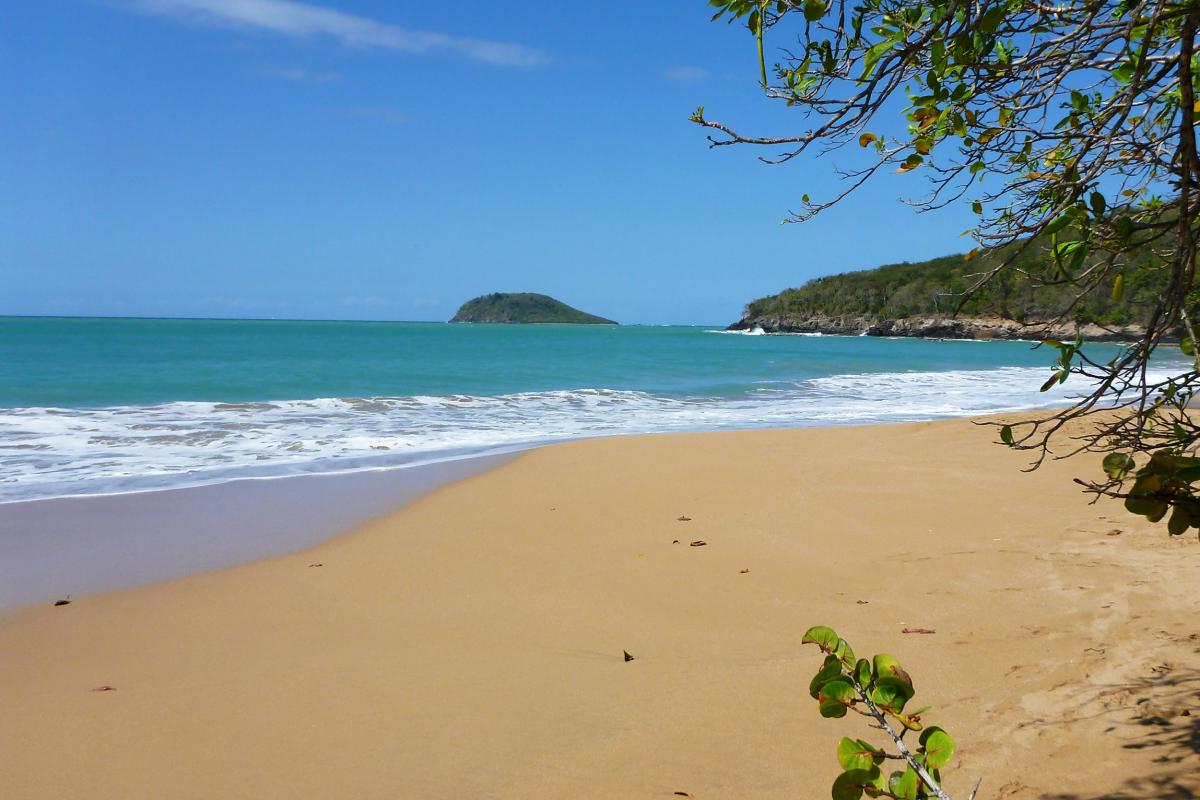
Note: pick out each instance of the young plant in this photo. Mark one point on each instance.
(879, 690)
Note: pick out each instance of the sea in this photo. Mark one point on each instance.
(95, 406)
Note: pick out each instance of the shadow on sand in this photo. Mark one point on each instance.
(1165, 723)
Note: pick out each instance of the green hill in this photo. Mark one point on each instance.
(524, 307)
(921, 298)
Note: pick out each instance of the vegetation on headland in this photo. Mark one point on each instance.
(524, 307)
(939, 288)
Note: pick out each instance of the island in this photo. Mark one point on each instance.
(926, 299)
(524, 307)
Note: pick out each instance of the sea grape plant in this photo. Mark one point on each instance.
(1069, 131)
(880, 690)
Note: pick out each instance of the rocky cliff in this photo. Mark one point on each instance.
(935, 327)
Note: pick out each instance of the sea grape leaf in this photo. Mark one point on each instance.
(1179, 522)
(889, 698)
(844, 652)
(823, 637)
(855, 754)
(939, 747)
(904, 784)
(1117, 465)
(831, 669)
(851, 784)
(862, 672)
(888, 672)
(835, 697)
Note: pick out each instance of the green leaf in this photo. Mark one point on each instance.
(823, 637)
(855, 754)
(1187, 346)
(872, 56)
(1151, 508)
(1179, 522)
(1123, 227)
(1118, 290)
(1117, 465)
(890, 698)
(1006, 434)
(1099, 205)
(913, 161)
(939, 747)
(905, 784)
(992, 18)
(888, 671)
(835, 697)
(814, 10)
(862, 672)
(844, 652)
(851, 784)
(892, 685)
(1052, 380)
(1057, 225)
(830, 670)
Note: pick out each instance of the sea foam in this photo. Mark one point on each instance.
(50, 452)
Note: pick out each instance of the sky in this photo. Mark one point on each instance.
(363, 159)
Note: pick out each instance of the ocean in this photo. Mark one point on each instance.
(102, 406)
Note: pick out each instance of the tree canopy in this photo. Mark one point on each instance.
(1070, 125)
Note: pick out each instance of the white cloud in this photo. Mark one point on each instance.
(289, 18)
(297, 74)
(686, 73)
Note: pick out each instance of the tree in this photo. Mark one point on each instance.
(1068, 126)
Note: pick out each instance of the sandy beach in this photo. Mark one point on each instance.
(470, 644)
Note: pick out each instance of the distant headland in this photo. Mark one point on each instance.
(931, 299)
(524, 307)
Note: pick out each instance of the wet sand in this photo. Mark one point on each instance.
(53, 548)
(470, 644)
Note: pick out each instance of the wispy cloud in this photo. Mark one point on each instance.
(297, 74)
(686, 73)
(384, 113)
(289, 18)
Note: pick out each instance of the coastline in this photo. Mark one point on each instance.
(469, 644)
(943, 327)
(77, 546)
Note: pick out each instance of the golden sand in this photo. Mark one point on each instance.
(470, 645)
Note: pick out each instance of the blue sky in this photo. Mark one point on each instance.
(359, 159)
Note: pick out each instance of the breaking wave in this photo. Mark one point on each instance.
(50, 452)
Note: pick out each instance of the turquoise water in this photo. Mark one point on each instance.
(111, 362)
(102, 405)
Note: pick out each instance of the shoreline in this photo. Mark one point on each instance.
(945, 327)
(470, 643)
(82, 545)
(78, 545)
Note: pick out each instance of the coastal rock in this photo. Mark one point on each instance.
(934, 327)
